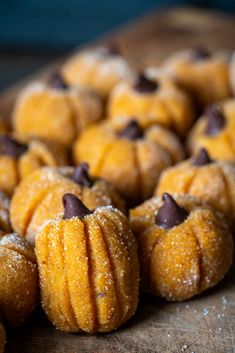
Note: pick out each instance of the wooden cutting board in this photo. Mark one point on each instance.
(203, 325)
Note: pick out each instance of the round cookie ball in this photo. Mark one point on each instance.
(132, 159)
(98, 68)
(152, 101)
(203, 73)
(38, 198)
(54, 111)
(210, 180)
(215, 132)
(185, 246)
(18, 279)
(92, 257)
(17, 160)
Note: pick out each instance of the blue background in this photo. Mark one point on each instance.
(65, 23)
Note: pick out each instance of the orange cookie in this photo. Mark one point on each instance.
(55, 111)
(215, 132)
(185, 246)
(132, 159)
(88, 268)
(211, 181)
(18, 279)
(155, 100)
(17, 160)
(202, 73)
(38, 197)
(97, 68)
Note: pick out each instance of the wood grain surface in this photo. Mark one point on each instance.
(203, 325)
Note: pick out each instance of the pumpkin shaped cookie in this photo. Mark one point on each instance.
(202, 73)
(88, 268)
(98, 68)
(54, 111)
(131, 159)
(215, 132)
(185, 246)
(18, 279)
(38, 197)
(210, 180)
(17, 160)
(151, 101)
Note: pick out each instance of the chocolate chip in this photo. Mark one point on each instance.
(57, 81)
(202, 158)
(132, 131)
(81, 175)
(11, 147)
(144, 84)
(170, 214)
(201, 53)
(73, 207)
(113, 49)
(215, 120)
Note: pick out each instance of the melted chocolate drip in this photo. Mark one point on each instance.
(81, 175)
(215, 120)
(11, 147)
(144, 84)
(170, 214)
(57, 81)
(132, 131)
(202, 158)
(73, 207)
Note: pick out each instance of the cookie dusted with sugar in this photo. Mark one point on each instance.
(203, 73)
(152, 100)
(210, 180)
(55, 111)
(132, 159)
(98, 68)
(92, 257)
(215, 132)
(18, 279)
(38, 198)
(185, 246)
(17, 159)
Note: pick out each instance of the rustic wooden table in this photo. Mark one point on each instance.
(203, 325)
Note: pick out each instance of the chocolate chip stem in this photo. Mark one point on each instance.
(132, 131)
(170, 214)
(215, 120)
(73, 207)
(9, 146)
(81, 175)
(202, 158)
(144, 84)
(57, 81)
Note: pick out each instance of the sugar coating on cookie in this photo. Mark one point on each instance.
(133, 165)
(38, 197)
(88, 269)
(18, 280)
(189, 256)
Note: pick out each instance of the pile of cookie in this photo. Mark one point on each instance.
(113, 179)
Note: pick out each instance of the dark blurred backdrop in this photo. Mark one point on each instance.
(32, 32)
